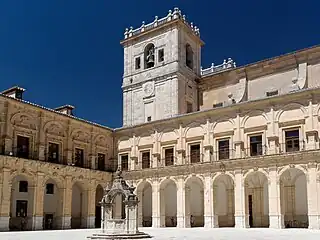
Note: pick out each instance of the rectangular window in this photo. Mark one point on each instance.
(256, 145)
(292, 140)
(223, 149)
(101, 161)
(21, 208)
(149, 119)
(50, 188)
(79, 157)
(124, 163)
(137, 63)
(145, 160)
(22, 147)
(217, 105)
(272, 93)
(161, 55)
(195, 153)
(169, 156)
(53, 152)
(189, 107)
(23, 186)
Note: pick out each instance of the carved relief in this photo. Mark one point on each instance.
(81, 136)
(55, 129)
(23, 120)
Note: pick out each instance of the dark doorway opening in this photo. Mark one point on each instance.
(250, 210)
(97, 222)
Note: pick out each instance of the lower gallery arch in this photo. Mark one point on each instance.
(293, 197)
(78, 207)
(257, 199)
(144, 192)
(168, 203)
(21, 205)
(223, 200)
(194, 205)
(52, 206)
(99, 196)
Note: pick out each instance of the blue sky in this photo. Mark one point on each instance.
(68, 51)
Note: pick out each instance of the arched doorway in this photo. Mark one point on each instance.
(223, 200)
(52, 206)
(99, 196)
(22, 201)
(168, 203)
(78, 207)
(294, 200)
(257, 199)
(194, 202)
(144, 193)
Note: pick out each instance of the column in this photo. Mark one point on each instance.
(208, 203)
(37, 215)
(91, 216)
(181, 220)
(241, 219)
(156, 204)
(312, 192)
(67, 202)
(276, 218)
(230, 213)
(5, 198)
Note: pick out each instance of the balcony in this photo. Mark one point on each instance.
(56, 159)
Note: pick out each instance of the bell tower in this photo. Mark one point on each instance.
(161, 68)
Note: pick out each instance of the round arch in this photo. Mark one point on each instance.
(78, 205)
(144, 193)
(168, 203)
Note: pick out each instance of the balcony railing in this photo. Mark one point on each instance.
(59, 159)
(298, 145)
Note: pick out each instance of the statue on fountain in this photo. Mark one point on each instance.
(114, 228)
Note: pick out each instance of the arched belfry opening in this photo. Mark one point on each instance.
(149, 58)
(189, 56)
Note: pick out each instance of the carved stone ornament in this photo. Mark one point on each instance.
(55, 129)
(148, 89)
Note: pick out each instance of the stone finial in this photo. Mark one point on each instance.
(175, 13)
(142, 26)
(155, 22)
(169, 15)
(191, 25)
(184, 18)
(130, 31)
(126, 33)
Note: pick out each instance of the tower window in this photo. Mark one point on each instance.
(149, 56)
(189, 56)
(138, 63)
(161, 55)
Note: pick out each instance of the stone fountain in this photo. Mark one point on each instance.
(126, 228)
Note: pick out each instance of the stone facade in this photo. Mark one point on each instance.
(222, 146)
(46, 187)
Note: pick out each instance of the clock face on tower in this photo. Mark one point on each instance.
(148, 89)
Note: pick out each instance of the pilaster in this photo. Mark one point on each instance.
(276, 218)
(312, 192)
(156, 204)
(5, 198)
(37, 216)
(91, 208)
(181, 209)
(67, 201)
(241, 219)
(208, 203)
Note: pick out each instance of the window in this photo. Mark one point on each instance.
(138, 63)
(189, 56)
(124, 163)
(21, 208)
(101, 161)
(23, 186)
(272, 93)
(50, 188)
(145, 160)
(189, 107)
(149, 56)
(53, 152)
(22, 147)
(149, 119)
(79, 157)
(169, 156)
(292, 140)
(223, 148)
(195, 153)
(217, 105)
(161, 55)
(256, 145)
